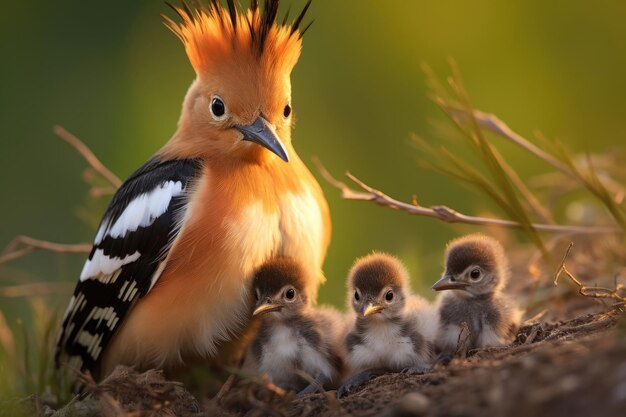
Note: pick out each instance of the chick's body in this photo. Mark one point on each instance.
(391, 329)
(474, 311)
(293, 336)
(490, 321)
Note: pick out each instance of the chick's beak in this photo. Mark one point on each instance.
(372, 309)
(448, 282)
(266, 308)
(263, 133)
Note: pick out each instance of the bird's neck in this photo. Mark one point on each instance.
(467, 296)
(378, 320)
(282, 318)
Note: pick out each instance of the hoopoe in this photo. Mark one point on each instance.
(293, 336)
(168, 277)
(476, 271)
(393, 329)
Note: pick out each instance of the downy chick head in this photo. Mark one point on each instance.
(474, 265)
(279, 287)
(241, 97)
(376, 286)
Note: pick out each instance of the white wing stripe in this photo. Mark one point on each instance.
(103, 264)
(103, 228)
(143, 210)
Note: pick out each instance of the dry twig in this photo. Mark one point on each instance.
(444, 213)
(258, 405)
(88, 154)
(589, 291)
(36, 289)
(23, 245)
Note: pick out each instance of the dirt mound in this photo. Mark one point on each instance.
(569, 368)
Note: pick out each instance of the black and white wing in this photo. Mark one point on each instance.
(127, 257)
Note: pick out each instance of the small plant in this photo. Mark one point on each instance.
(499, 181)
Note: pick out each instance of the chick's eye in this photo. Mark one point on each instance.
(290, 293)
(356, 296)
(389, 295)
(287, 110)
(218, 108)
(475, 274)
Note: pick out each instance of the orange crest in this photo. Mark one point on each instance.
(213, 34)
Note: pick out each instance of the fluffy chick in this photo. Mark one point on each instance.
(392, 330)
(293, 337)
(476, 271)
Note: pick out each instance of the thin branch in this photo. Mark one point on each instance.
(23, 245)
(444, 213)
(88, 154)
(588, 291)
(97, 192)
(36, 289)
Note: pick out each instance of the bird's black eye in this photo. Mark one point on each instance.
(287, 110)
(389, 295)
(475, 274)
(290, 293)
(218, 108)
(356, 296)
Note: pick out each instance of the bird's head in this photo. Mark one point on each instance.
(474, 265)
(279, 288)
(239, 105)
(377, 286)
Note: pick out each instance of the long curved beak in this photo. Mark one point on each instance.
(447, 282)
(372, 309)
(263, 133)
(266, 308)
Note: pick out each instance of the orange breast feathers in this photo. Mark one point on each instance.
(238, 217)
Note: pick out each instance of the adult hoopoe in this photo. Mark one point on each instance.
(168, 276)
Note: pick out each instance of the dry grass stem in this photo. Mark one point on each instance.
(529, 198)
(225, 388)
(463, 339)
(492, 123)
(495, 125)
(264, 380)
(23, 245)
(7, 339)
(445, 213)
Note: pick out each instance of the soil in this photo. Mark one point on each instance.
(574, 367)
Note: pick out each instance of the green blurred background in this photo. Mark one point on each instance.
(111, 73)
